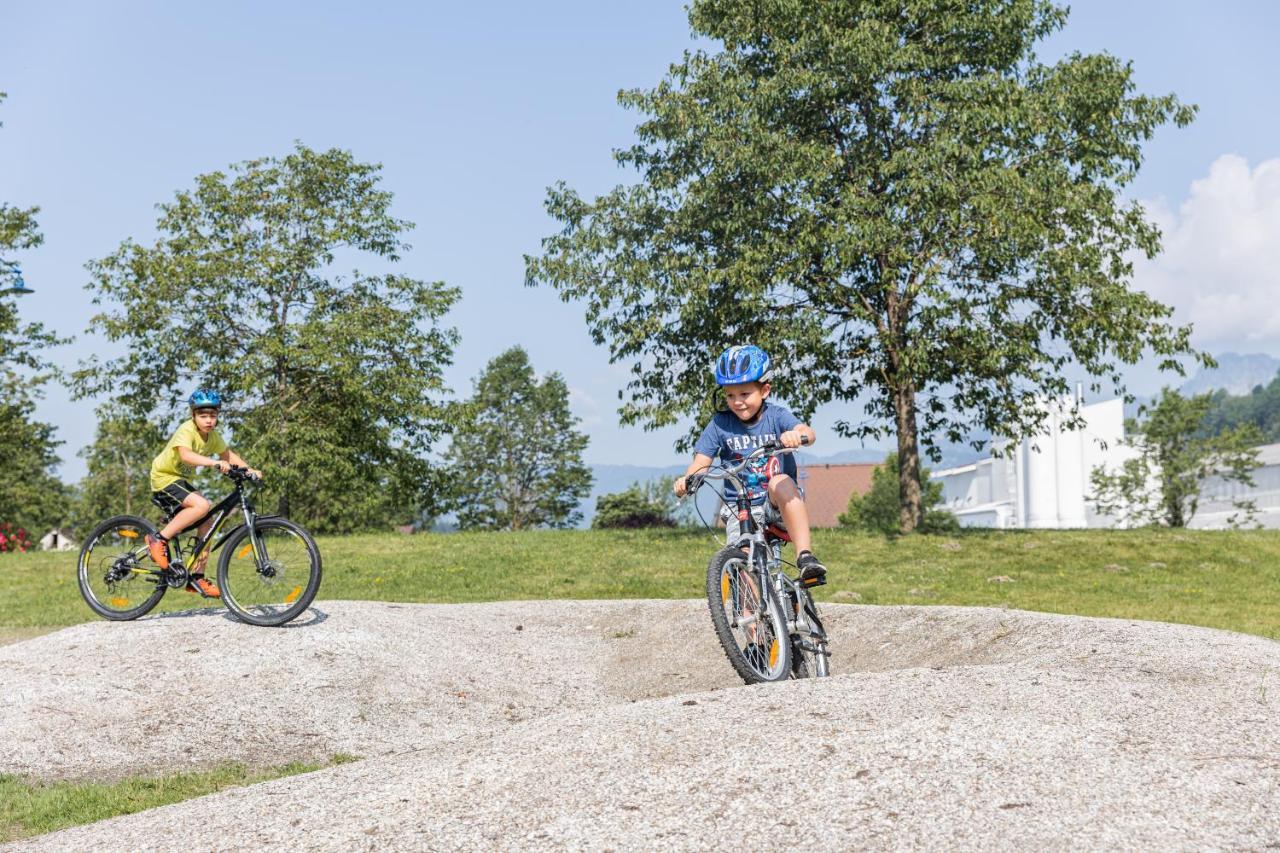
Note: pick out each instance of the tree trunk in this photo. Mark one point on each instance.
(128, 483)
(282, 508)
(910, 513)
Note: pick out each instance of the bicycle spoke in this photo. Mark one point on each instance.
(745, 611)
(116, 575)
(273, 579)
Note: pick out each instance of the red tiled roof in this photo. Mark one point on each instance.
(827, 489)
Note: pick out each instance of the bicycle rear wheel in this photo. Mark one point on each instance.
(274, 582)
(115, 573)
(747, 619)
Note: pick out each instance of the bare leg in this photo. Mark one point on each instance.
(785, 495)
(193, 508)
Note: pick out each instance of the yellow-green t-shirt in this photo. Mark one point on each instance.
(168, 467)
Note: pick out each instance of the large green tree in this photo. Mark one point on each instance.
(30, 494)
(1162, 483)
(517, 459)
(119, 467)
(895, 198)
(333, 379)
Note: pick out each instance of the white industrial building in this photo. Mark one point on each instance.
(1216, 495)
(1044, 482)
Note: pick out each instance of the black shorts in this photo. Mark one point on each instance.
(170, 498)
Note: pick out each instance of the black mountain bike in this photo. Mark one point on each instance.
(268, 572)
(766, 621)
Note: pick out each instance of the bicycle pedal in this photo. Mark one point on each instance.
(810, 583)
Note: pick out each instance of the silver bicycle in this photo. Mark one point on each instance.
(767, 621)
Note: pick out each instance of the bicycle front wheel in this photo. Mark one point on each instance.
(272, 580)
(115, 573)
(747, 619)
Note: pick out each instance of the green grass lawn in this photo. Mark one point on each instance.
(1221, 579)
(34, 808)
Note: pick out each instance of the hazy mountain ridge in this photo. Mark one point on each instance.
(1236, 374)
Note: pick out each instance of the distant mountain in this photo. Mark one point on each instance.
(1235, 374)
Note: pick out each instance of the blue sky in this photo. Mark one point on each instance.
(475, 110)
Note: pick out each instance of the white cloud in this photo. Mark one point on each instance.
(1220, 268)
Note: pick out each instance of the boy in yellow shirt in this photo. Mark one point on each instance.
(193, 445)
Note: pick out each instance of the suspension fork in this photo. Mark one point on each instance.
(259, 550)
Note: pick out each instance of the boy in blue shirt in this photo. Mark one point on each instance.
(744, 373)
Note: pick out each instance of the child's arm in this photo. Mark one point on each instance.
(236, 459)
(701, 462)
(793, 437)
(190, 457)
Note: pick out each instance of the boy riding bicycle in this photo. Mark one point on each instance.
(192, 445)
(752, 421)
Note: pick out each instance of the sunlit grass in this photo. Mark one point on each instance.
(34, 808)
(1221, 579)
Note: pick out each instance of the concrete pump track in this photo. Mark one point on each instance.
(619, 725)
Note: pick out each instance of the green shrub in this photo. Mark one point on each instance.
(635, 507)
(877, 510)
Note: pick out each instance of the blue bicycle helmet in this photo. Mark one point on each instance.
(737, 365)
(205, 398)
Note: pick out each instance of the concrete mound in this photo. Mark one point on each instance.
(620, 725)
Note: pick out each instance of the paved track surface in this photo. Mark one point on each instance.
(619, 725)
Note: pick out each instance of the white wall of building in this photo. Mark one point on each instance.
(1216, 496)
(1043, 482)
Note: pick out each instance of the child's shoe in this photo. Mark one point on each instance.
(158, 549)
(812, 572)
(205, 587)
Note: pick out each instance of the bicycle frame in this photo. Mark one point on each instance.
(205, 545)
(221, 513)
(764, 563)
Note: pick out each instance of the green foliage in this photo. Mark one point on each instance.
(119, 475)
(516, 459)
(30, 496)
(1175, 456)
(1261, 408)
(333, 379)
(896, 200)
(34, 808)
(651, 504)
(877, 510)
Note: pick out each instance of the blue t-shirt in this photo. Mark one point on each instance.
(731, 439)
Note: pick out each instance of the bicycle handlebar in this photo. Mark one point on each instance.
(240, 474)
(772, 448)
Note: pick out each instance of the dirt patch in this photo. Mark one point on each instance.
(620, 724)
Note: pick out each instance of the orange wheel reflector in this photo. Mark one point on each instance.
(244, 552)
(773, 653)
(724, 587)
(293, 595)
(119, 602)
(128, 534)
